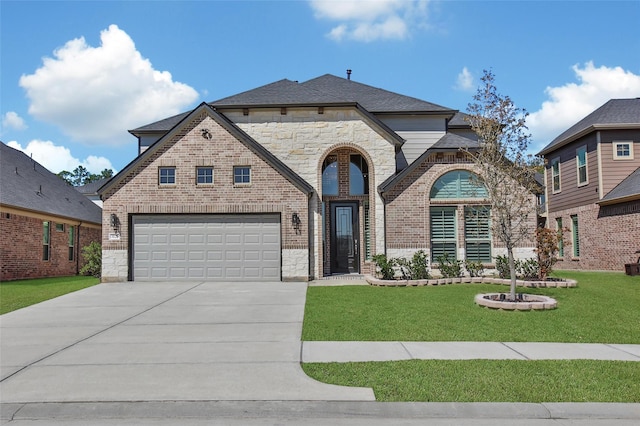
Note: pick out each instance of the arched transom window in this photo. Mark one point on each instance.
(458, 184)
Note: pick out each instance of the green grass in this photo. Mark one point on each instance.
(602, 309)
(19, 294)
(488, 380)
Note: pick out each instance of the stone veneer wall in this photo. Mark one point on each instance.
(269, 192)
(303, 137)
(609, 236)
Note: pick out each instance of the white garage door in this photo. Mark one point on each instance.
(206, 247)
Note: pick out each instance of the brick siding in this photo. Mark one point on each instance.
(609, 236)
(21, 247)
(269, 191)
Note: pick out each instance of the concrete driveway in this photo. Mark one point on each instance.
(162, 342)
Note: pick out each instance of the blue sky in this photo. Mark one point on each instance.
(75, 76)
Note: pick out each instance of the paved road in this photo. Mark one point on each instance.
(207, 353)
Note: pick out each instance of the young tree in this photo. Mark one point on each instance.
(504, 166)
(81, 176)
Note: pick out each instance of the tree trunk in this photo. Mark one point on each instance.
(512, 271)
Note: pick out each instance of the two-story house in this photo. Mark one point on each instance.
(592, 178)
(296, 181)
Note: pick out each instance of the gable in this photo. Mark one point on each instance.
(204, 136)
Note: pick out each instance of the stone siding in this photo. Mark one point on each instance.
(302, 138)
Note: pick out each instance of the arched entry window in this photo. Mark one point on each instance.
(459, 186)
(330, 175)
(358, 175)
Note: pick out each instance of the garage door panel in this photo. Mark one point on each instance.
(223, 247)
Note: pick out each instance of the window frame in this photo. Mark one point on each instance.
(168, 176)
(447, 239)
(59, 227)
(72, 243)
(205, 176)
(575, 236)
(579, 166)
(618, 157)
(477, 221)
(46, 241)
(560, 237)
(555, 161)
(242, 175)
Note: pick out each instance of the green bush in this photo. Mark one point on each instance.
(502, 266)
(475, 269)
(92, 255)
(525, 269)
(450, 268)
(384, 266)
(415, 269)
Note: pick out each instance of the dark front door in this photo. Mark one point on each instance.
(344, 238)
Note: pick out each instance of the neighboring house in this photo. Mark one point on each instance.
(296, 181)
(44, 222)
(90, 190)
(592, 174)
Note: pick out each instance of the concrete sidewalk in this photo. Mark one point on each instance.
(395, 351)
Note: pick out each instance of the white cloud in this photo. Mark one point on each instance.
(465, 80)
(11, 120)
(95, 94)
(370, 20)
(570, 103)
(56, 158)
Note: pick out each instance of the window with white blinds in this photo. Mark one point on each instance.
(443, 232)
(477, 233)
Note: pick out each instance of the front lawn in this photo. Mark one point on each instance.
(488, 380)
(18, 294)
(602, 309)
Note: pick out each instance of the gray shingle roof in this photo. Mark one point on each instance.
(324, 90)
(91, 187)
(28, 185)
(616, 113)
(281, 93)
(628, 188)
(454, 141)
(372, 98)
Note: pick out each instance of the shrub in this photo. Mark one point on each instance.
(528, 269)
(450, 268)
(415, 269)
(547, 249)
(475, 269)
(502, 266)
(384, 266)
(92, 255)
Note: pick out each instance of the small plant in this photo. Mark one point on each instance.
(547, 248)
(475, 269)
(384, 266)
(502, 266)
(415, 269)
(528, 269)
(450, 268)
(92, 255)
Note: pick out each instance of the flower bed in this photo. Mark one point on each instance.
(553, 283)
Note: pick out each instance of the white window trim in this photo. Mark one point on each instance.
(615, 150)
(167, 183)
(553, 189)
(242, 183)
(586, 166)
(213, 179)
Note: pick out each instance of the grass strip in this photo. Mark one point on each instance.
(602, 309)
(19, 294)
(488, 380)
